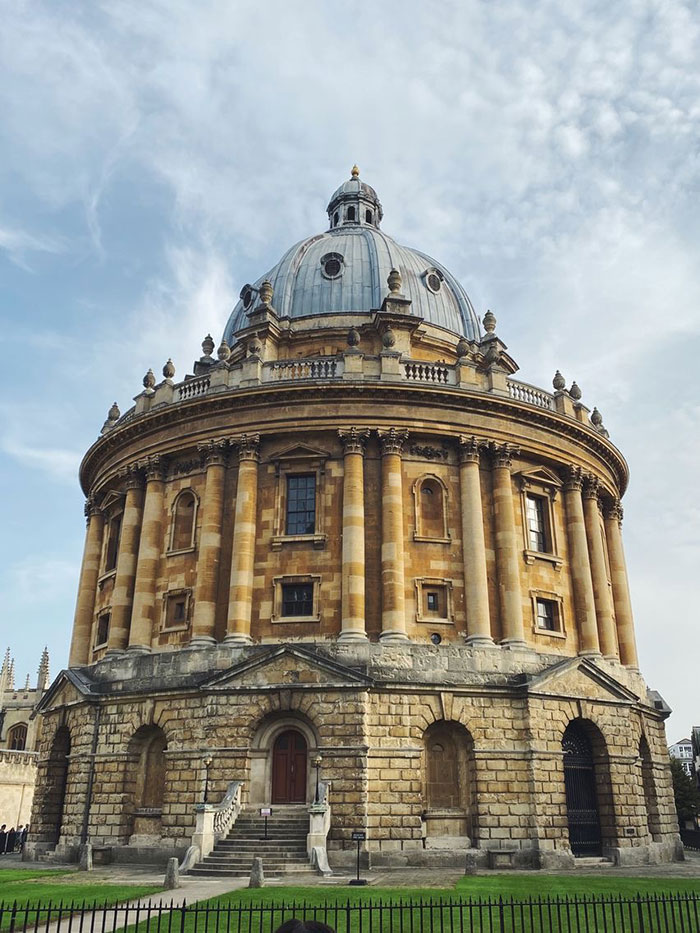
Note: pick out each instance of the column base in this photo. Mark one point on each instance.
(352, 636)
(390, 637)
(514, 644)
(201, 641)
(115, 652)
(234, 640)
(590, 654)
(138, 649)
(479, 641)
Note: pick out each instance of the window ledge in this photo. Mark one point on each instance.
(287, 620)
(431, 540)
(108, 575)
(100, 647)
(434, 620)
(182, 550)
(554, 559)
(549, 633)
(318, 541)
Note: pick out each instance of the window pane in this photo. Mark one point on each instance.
(297, 599)
(301, 505)
(536, 524)
(546, 618)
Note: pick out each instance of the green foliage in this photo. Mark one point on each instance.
(685, 791)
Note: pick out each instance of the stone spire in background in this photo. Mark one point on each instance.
(43, 678)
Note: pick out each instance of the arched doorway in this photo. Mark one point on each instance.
(289, 757)
(145, 785)
(56, 781)
(581, 795)
(448, 793)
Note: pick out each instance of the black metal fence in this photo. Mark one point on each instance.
(662, 913)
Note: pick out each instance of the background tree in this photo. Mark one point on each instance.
(686, 793)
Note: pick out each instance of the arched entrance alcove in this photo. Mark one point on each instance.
(56, 783)
(281, 756)
(651, 801)
(144, 784)
(589, 805)
(448, 785)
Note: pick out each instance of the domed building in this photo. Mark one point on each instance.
(352, 571)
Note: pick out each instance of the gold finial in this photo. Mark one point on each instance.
(355, 171)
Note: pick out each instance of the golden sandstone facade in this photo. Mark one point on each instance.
(353, 535)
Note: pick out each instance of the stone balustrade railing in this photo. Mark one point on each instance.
(214, 820)
(523, 392)
(317, 367)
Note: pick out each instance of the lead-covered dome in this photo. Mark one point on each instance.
(346, 268)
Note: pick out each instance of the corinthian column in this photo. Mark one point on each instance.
(123, 592)
(620, 587)
(473, 545)
(580, 565)
(150, 546)
(353, 569)
(204, 616)
(393, 583)
(507, 555)
(599, 575)
(87, 588)
(243, 557)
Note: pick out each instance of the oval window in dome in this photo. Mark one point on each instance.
(247, 295)
(433, 280)
(332, 265)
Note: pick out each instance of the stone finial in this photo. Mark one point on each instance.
(558, 382)
(11, 675)
(266, 292)
(113, 416)
(149, 380)
(26, 685)
(489, 322)
(462, 348)
(355, 172)
(224, 350)
(353, 337)
(388, 339)
(208, 346)
(394, 281)
(575, 392)
(169, 369)
(597, 422)
(43, 672)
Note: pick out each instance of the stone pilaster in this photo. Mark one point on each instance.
(87, 588)
(580, 565)
(393, 583)
(620, 586)
(243, 556)
(353, 567)
(599, 575)
(123, 593)
(143, 613)
(507, 552)
(473, 545)
(204, 617)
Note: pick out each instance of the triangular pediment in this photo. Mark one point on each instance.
(286, 666)
(300, 452)
(580, 678)
(67, 688)
(540, 476)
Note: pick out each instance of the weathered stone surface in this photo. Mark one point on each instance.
(172, 875)
(257, 875)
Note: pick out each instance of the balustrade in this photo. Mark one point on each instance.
(522, 392)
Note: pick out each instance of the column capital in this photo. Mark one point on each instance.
(612, 508)
(91, 508)
(392, 440)
(503, 454)
(470, 448)
(214, 452)
(591, 486)
(353, 440)
(574, 478)
(154, 467)
(248, 446)
(131, 476)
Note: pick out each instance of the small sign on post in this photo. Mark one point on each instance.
(358, 836)
(265, 811)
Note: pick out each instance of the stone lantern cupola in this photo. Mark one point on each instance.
(354, 202)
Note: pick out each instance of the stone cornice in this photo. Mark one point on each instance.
(444, 397)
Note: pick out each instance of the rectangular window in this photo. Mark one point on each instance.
(297, 599)
(112, 552)
(432, 599)
(537, 530)
(547, 612)
(102, 633)
(301, 505)
(176, 609)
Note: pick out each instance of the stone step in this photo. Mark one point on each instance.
(239, 873)
(592, 861)
(233, 847)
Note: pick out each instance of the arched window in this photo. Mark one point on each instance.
(350, 214)
(148, 746)
(17, 737)
(368, 216)
(184, 514)
(335, 219)
(431, 512)
(112, 549)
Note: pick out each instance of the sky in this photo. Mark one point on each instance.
(156, 156)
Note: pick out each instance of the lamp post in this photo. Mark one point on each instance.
(317, 764)
(206, 761)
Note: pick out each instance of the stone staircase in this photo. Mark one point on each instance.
(284, 850)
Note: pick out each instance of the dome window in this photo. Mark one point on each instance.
(368, 217)
(247, 295)
(332, 265)
(335, 219)
(433, 280)
(350, 216)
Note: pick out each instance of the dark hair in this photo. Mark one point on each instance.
(304, 926)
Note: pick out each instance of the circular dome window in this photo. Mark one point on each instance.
(433, 280)
(332, 265)
(247, 295)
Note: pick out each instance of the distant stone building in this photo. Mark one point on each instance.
(18, 740)
(683, 751)
(352, 548)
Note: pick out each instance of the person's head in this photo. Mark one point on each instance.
(304, 926)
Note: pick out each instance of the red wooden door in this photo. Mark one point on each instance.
(289, 756)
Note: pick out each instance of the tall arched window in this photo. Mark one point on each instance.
(17, 737)
(184, 515)
(148, 747)
(431, 512)
(351, 214)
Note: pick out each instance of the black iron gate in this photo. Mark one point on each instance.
(581, 797)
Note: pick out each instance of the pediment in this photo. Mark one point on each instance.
(540, 476)
(299, 452)
(580, 678)
(66, 689)
(287, 666)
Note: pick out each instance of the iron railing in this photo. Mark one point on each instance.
(645, 913)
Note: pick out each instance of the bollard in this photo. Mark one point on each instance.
(85, 854)
(172, 875)
(257, 875)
